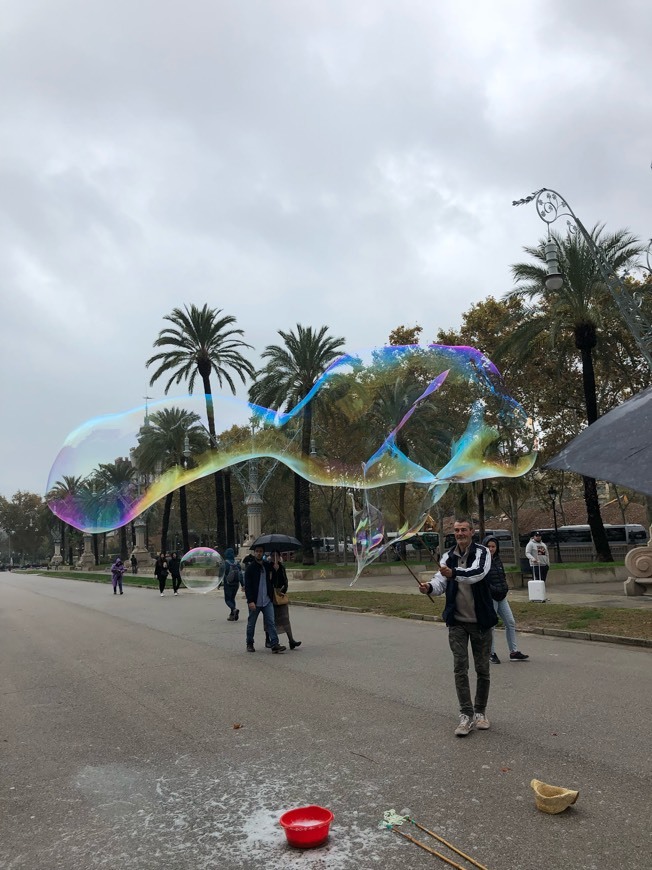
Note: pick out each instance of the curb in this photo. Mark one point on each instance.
(550, 632)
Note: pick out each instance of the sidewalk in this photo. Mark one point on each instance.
(583, 594)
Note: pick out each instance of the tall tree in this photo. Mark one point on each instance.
(119, 477)
(163, 443)
(289, 374)
(201, 342)
(63, 489)
(576, 309)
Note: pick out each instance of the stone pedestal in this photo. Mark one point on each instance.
(140, 551)
(639, 565)
(86, 561)
(254, 505)
(57, 558)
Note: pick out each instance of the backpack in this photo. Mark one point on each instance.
(232, 578)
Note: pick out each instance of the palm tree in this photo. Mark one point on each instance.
(575, 308)
(64, 490)
(118, 478)
(163, 443)
(200, 342)
(290, 373)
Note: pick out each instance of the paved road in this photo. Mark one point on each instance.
(118, 747)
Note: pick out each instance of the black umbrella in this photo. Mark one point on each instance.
(617, 447)
(282, 543)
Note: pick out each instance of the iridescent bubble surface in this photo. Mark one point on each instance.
(395, 425)
(202, 568)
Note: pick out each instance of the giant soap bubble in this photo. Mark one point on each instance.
(395, 425)
(202, 568)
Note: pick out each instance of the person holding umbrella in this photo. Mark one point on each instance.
(259, 593)
(281, 601)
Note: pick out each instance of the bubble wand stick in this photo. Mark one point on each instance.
(400, 555)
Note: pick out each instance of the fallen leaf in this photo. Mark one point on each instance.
(237, 725)
(505, 769)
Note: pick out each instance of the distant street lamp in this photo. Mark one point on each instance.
(552, 492)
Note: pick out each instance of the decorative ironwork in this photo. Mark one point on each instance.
(550, 206)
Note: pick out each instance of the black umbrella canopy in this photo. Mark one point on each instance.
(282, 543)
(617, 447)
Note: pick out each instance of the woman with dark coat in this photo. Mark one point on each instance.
(281, 611)
(498, 585)
(161, 571)
(174, 567)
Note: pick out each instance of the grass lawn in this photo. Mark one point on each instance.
(528, 614)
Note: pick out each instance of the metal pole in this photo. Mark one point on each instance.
(550, 206)
(554, 519)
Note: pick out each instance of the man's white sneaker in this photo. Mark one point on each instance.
(481, 722)
(465, 726)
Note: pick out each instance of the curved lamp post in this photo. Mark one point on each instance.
(550, 206)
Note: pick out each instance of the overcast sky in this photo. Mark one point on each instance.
(315, 161)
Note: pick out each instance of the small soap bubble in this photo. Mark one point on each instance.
(202, 568)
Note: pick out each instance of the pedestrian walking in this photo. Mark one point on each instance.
(134, 564)
(117, 570)
(174, 567)
(259, 592)
(470, 616)
(281, 601)
(497, 581)
(233, 581)
(161, 572)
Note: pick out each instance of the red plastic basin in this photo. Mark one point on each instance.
(306, 827)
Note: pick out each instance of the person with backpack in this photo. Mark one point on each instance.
(233, 580)
(499, 589)
(117, 570)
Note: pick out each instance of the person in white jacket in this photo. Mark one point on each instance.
(537, 554)
(470, 616)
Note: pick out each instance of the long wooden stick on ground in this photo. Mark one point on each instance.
(427, 848)
(446, 843)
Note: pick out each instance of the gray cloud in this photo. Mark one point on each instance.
(342, 164)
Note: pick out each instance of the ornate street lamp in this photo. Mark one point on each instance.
(552, 492)
(550, 206)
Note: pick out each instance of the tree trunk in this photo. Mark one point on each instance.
(513, 509)
(594, 518)
(481, 513)
(228, 508)
(304, 491)
(183, 518)
(166, 521)
(297, 506)
(220, 523)
(123, 543)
